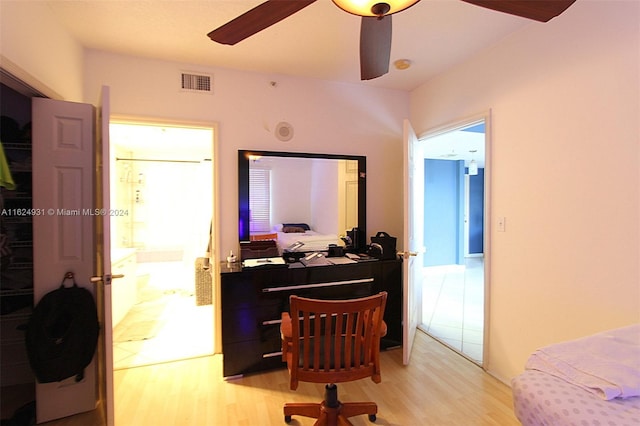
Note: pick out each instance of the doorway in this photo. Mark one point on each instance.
(162, 183)
(456, 194)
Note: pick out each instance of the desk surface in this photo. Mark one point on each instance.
(227, 267)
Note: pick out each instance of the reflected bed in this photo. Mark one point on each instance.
(313, 241)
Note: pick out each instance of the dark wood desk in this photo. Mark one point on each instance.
(254, 298)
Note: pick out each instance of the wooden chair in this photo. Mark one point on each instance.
(333, 341)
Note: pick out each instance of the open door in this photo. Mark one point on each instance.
(413, 239)
(66, 235)
(63, 238)
(103, 276)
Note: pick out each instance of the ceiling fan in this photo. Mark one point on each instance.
(375, 29)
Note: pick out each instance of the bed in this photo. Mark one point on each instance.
(291, 235)
(593, 380)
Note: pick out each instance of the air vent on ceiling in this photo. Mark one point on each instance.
(196, 82)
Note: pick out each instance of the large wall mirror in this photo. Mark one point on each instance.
(325, 191)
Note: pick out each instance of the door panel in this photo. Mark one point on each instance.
(63, 154)
(413, 239)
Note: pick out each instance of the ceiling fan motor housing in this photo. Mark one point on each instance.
(380, 9)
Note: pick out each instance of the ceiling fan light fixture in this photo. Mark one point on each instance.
(374, 7)
(473, 168)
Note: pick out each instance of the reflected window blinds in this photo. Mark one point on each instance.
(259, 200)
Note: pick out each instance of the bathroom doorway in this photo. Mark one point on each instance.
(456, 236)
(162, 182)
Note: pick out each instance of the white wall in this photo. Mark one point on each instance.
(565, 109)
(327, 117)
(34, 42)
(292, 185)
(324, 198)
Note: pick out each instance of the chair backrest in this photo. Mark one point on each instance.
(336, 340)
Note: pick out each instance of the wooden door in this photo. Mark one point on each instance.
(63, 238)
(413, 239)
(66, 238)
(103, 276)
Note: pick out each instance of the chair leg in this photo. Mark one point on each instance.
(341, 421)
(350, 409)
(331, 412)
(323, 419)
(304, 409)
(331, 416)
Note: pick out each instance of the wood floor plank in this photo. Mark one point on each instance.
(439, 387)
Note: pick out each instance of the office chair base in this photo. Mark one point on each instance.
(330, 412)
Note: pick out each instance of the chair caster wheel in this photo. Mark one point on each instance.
(372, 418)
(287, 419)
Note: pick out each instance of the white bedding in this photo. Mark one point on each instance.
(540, 399)
(594, 380)
(313, 241)
(606, 363)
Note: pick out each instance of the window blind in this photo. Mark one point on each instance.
(259, 200)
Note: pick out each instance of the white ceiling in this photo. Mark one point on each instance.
(321, 41)
(455, 145)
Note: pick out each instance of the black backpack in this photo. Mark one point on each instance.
(62, 333)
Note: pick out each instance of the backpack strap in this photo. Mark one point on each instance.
(69, 276)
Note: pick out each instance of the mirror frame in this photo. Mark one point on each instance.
(243, 184)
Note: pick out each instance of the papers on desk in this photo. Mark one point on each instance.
(295, 246)
(340, 260)
(315, 259)
(319, 259)
(249, 263)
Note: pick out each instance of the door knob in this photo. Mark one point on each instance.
(407, 254)
(106, 279)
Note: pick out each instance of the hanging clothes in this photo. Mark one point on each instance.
(6, 179)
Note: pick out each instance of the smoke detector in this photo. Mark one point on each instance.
(284, 131)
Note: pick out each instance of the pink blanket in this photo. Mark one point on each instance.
(606, 363)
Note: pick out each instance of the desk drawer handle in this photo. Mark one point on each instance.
(317, 285)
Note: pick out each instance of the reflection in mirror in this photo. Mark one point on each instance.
(320, 192)
(325, 192)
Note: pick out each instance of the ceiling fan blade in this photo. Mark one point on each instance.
(257, 19)
(539, 10)
(375, 46)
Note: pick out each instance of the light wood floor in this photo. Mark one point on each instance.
(439, 387)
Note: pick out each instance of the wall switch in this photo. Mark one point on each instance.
(502, 222)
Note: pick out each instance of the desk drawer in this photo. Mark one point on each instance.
(320, 274)
(239, 325)
(245, 289)
(249, 357)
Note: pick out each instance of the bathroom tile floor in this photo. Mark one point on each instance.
(165, 324)
(453, 306)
